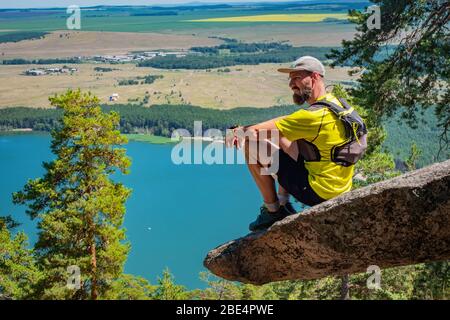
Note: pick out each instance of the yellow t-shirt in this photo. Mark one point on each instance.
(326, 178)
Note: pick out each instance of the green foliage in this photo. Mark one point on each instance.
(279, 55)
(35, 118)
(159, 120)
(221, 289)
(18, 272)
(400, 136)
(375, 167)
(152, 78)
(147, 80)
(7, 222)
(167, 289)
(412, 159)
(19, 36)
(130, 82)
(129, 287)
(241, 47)
(218, 289)
(79, 209)
(103, 69)
(19, 61)
(422, 281)
(415, 75)
(149, 138)
(432, 281)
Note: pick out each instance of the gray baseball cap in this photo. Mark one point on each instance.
(307, 63)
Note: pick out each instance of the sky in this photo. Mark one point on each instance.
(65, 3)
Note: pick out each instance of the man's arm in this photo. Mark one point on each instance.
(266, 125)
(252, 132)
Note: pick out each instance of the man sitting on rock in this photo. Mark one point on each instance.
(306, 140)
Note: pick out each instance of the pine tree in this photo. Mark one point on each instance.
(130, 287)
(405, 63)
(79, 208)
(167, 289)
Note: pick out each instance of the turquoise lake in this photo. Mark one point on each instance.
(175, 215)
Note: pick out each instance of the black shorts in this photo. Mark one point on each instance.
(293, 176)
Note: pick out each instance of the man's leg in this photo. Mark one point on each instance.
(259, 169)
(290, 148)
(265, 182)
(270, 212)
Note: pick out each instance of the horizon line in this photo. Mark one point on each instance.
(193, 3)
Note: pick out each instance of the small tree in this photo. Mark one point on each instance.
(413, 157)
(167, 289)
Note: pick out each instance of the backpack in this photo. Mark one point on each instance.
(350, 151)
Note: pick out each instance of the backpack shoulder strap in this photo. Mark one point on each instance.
(336, 109)
(344, 103)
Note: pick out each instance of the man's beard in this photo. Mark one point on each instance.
(305, 95)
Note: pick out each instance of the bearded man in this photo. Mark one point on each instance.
(306, 140)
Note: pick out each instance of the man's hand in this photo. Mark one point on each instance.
(234, 138)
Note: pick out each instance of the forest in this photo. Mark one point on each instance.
(159, 119)
(20, 61)
(280, 53)
(23, 35)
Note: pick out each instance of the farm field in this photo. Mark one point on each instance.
(306, 17)
(325, 34)
(252, 86)
(149, 138)
(169, 19)
(84, 43)
(120, 30)
(78, 43)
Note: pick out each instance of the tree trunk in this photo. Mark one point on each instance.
(94, 289)
(345, 292)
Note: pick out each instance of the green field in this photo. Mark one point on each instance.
(306, 17)
(149, 138)
(127, 23)
(151, 19)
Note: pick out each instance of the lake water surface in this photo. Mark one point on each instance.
(175, 215)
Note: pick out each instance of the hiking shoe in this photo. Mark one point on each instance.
(289, 209)
(267, 218)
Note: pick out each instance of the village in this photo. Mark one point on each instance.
(136, 57)
(49, 71)
(112, 59)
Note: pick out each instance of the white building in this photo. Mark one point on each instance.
(114, 97)
(35, 72)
